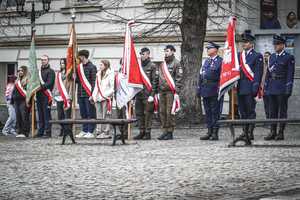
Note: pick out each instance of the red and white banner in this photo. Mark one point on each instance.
(171, 83)
(71, 51)
(20, 88)
(83, 80)
(133, 78)
(230, 71)
(245, 67)
(45, 91)
(63, 91)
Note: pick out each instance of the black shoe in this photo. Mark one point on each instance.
(162, 136)
(214, 135)
(147, 136)
(280, 136)
(168, 136)
(140, 136)
(208, 135)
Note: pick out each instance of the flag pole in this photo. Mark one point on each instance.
(232, 104)
(73, 16)
(33, 116)
(129, 117)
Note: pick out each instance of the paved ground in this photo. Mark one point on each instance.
(185, 168)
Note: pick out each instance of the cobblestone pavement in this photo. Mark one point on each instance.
(185, 168)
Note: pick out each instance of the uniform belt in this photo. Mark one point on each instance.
(277, 77)
(205, 81)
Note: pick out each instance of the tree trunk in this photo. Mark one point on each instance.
(193, 29)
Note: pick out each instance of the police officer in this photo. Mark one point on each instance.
(144, 102)
(279, 85)
(251, 70)
(208, 88)
(166, 95)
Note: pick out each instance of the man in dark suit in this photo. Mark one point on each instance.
(208, 89)
(251, 70)
(279, 85)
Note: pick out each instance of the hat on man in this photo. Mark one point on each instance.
(278, 40)
(247, 37)
(211, 45)
(145, 49)
(171, 47)
(84, 53)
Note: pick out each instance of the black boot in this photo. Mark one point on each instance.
(147, 136)
(208, 134)
(169, 136)
(272, 134)
(251, 130)
(247, 138)
(140, 136)
(280, 135)
(215, 135)
(162, 136)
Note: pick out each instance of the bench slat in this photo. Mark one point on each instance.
(258, 121)
(94, 121)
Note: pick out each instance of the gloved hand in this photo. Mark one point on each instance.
(150, 99)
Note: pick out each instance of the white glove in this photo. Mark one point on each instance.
(150, 99)
(176, 96)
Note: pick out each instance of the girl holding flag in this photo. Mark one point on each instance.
(63, 99)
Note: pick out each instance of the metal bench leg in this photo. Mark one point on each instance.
(122, 137)
(114, 137)
(232, 131)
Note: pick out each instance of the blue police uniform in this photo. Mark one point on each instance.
(278, 86)
(248, 88)
(208, 89)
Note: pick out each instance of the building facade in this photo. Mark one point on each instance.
(100, 26)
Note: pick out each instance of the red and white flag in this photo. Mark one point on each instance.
(133, 78)
(71, 51)
(230, 71)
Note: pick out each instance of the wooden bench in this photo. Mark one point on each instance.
(113, 122)
(240, 122)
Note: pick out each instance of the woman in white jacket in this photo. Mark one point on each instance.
(103, 96)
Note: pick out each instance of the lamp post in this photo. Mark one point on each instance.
(32, 14)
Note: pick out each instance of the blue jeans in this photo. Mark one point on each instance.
(87, 111)
(44, 114)
(10, 125)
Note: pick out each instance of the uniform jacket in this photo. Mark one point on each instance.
(209, 77)
(255, 62)
(151, 71)
(106, 85)
(280, 74)
(176, 72)
(48, 76)
(90, 72)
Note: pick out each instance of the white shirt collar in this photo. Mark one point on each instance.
(247, 52)
(213, 58)
(279, 54)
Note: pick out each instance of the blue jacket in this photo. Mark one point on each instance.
(209, 77)
(280, 74)
(255, 62)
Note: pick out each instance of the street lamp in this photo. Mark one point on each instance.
(33, 14)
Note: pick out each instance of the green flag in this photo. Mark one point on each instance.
(33, 84)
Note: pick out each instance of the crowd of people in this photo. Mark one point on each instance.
(269, 76)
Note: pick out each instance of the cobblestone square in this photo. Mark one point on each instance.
(184, 168)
